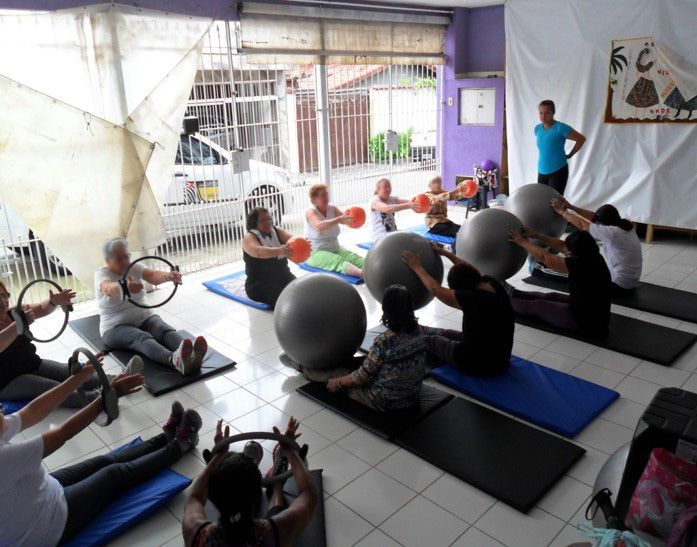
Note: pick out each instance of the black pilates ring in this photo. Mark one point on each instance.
(265, 481)
(20, 317)
(123, 282)
(110, 399)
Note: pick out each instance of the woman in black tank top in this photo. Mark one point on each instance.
(265, 255)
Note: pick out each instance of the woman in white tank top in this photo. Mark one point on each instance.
(322, 228)
(383, 206)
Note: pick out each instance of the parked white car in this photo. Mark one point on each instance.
(205, 192)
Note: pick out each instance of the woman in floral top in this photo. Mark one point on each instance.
(390, 377)
(437, 217)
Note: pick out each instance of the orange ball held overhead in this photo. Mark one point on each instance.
(301, 249)
(358, 215)
(468, 188)
(423, 202)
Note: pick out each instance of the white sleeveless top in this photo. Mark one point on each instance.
(328, 240)
(271, 241)
(381, 223)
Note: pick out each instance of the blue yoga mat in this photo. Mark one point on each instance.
(551, 399)
(10, 407)
(131, 507)
(422, 230)
(216, 286)
(351, 279)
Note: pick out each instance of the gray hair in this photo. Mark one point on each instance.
(113, 244)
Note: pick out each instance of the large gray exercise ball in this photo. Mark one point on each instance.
(384, 266)
(530, 203)
(483, 242)
(320, 321)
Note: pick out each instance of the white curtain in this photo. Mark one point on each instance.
(93, 100)
(561, 51)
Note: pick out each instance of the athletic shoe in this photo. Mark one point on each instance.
(135, 365)
(253, 451)
(174, 420)
(510, 289)
(187, 432)
(289, 362)
(183, 358)
(200, 349)
(280, 461)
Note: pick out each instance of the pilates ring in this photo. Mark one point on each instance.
(20, 317)
(110, 399)
(123, 282)
(265, 481)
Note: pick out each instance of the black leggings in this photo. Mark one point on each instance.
(268, 291)
(91, 485)
(556, 180)
(447, 229)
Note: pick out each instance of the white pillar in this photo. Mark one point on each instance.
(323, 139)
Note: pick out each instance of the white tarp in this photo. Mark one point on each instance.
(561, 51)
(92, 101)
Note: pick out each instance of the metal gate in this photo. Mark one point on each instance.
(269, 111)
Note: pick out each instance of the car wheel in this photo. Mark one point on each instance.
(49, 261)
(268, 197)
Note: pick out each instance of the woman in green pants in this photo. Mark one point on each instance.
(322, 228)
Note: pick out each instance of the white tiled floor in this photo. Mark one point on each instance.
(377, 495)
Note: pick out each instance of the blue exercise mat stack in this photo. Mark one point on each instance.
(422, 230)
(350, 278)
(548, 398)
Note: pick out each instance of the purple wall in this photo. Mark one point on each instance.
(474, 42)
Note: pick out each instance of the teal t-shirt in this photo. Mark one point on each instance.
(550, 144)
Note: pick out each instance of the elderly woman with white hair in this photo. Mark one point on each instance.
(125, 326)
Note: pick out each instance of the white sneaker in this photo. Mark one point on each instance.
(135, 365)
(183, 358)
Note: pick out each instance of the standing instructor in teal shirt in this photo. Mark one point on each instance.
(552, 167)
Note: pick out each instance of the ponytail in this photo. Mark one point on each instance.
(234, 487)
(608, 215)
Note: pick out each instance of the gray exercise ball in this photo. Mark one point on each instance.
(530, 203)
(384, 266)
(320, 321)
(483, 242)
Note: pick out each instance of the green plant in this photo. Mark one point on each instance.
(425, 83)
(376, 145)
(617, 59)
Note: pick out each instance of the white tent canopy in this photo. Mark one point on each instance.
(93, 100)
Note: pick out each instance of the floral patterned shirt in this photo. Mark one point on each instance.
(394, 370)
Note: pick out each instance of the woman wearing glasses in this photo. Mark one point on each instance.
(24, 375)
(125, 326)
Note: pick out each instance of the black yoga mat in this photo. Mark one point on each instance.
(315, 534)
(627, 335)
(159, 378)
(384, 424)
(646, 297)
(505, 458)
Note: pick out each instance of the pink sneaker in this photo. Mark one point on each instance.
(183, 358)
(200, 349)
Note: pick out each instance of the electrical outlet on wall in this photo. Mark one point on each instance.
(450, 101)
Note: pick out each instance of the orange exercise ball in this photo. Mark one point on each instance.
(423, 202)
(301, 249)
(469, 188)
(358, 215)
